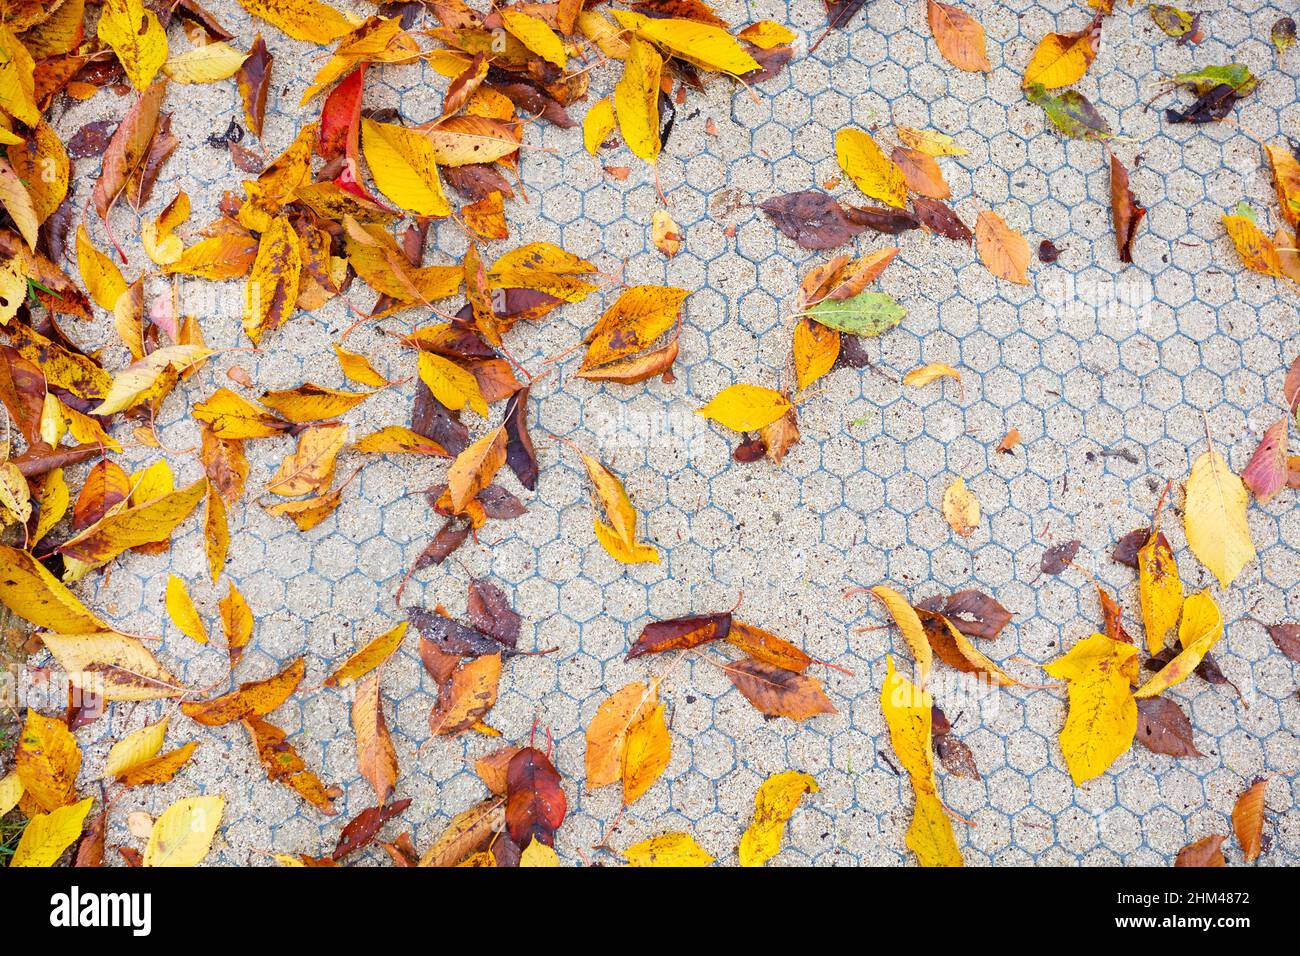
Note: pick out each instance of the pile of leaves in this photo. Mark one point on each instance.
(354, 199)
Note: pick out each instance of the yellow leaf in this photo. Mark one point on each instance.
(608, 730)
(961, 508)
(231, 417)
(774, 804)
(158, 235)
(1199, 630)
(48, 761)
(358, 369)
(135, 748)
(1004, 252)
(926, 374)
(236, 621)
(538, 853)
(767, 35)
(182, 835)
(908, 711)
(180, 608)
(15, 496)
(102, 278)
(308, 20)
(307, 513)
(113, 666)
(1214, 516)
(159, 769)
(461, 140)
(205, 64)
(1103, 714)
(450, 384)
(273, 283)
(11, 791)
(648, 750)
(598, 124)
(636, 99)
(708, 47)
(1160, 590)
(312, 403)
(1061, 59)
(543, 267)
(928, 141)
(398, 439)
(42, 163)
(1286, 181)
(870, 169)
(909, 623)
(48, 835)
(311, 467)
(54, 504)
(640, 317)
(615, 519)
(147, 523)
(35, 595)
(252, 700)
(404, 167)
(475, 467)
(216, 532)
(135, 382)
(137, 38)
(745, 408)
(225, 256)
(671, 849)
(1257, 250)
(467, 830)
(536, 36)
(368, 658)
(17, 80)
(959, 36)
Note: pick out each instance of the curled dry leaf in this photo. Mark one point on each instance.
(615, 519)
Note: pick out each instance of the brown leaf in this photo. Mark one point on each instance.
(490, 612)
(365, 826)
(1058, 557)
(520, 455)
(535, 802)
(1248, 819)
(778, 692)
(1204, 852)
(1164, 729)
(465, 699)
(1126, 548)
(955, 755)
(1125, 210)
(253, 80)
(1287, 639)
(972, 612)
(812, 219)
(938, 218)
(129, 147)
(681, 633)
(959, 36)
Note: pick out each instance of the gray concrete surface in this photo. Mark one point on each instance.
(1091, 357)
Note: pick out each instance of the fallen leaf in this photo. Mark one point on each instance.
(183, 833)
(376, 758)
(1214, 516)
(671, 849)
(535, 802)
(870, 169)
(1102, 718)
(615, 519)
(1248, 819)
(774, 804)
(1163, 728)
(47, 835)
(959, 36)
(1198, 631)
(1061, 59)
(1204, 852)
(112, 666)
(1004, 252)
(961, 509)
(180, 608)
(777, 692)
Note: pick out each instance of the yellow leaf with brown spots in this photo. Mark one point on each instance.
(35, 595)
(48, 835)
(183, 833)
(774, 804)
(961, 508)
(312, 403)
(870, 169)
(47, 761)
(1160, 590)
(909, 623)
(311, 467)
(671, 849)
(1102, 718)
(271, 295)
(1198, 631)
(368, 658)
(636, 99)
(112, 666)
(136, 36)
(252, 699)
(475, 467)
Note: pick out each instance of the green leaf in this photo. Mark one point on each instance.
(867, 313)
(1070, 113)
(1201, 81)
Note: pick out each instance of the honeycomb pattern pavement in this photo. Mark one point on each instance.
(1105, 370)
